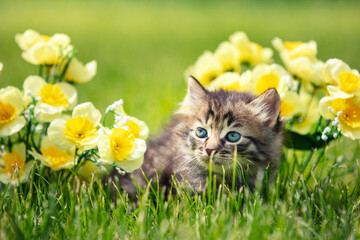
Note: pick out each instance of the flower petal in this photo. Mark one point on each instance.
(70, 92)
(13, 96)
(89, 111)
(56, 133)
(12, 127)
(34, 84)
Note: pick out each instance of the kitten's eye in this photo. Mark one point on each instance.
(201, 133)
(233, 136)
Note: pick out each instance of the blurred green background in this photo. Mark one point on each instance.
(143, 47)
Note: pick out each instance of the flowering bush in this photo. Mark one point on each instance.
(44, 123)
(320, 100)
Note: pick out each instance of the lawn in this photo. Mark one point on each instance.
(142, 50)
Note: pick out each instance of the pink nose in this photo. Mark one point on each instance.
(210, 150)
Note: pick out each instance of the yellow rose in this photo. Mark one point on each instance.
(54, 98)
(77, 72)
(121, 147)
(300, 59)
(250, 52)
(11, 106)
(53, 157)
(13, 168)
(80, 130)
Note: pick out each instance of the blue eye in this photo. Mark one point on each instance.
(233, 137)
(201, 133)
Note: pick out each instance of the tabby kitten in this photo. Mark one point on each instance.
(214, 124)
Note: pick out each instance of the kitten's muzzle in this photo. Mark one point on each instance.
(210, 150)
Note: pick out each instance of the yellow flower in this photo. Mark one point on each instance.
(54, 157)
(42, 49)
(266, 76)
(27, 39)
(228, 81)
(228, 56)
(339, 74)
(300, 59)
(306, 121)
(77, 72)
(1, 66)
(80, 130)
(347, 106)
(250, 52)
(13, 168)
(54, 98)
(206, 68)
(11, 106)
(42, 53)
(137, 127)
(89, 170)
(30, 37)
(120, 146)
(291, 105)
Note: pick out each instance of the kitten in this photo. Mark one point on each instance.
(214, 124)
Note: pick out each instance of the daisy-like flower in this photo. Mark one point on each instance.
(342, 77)
(206, 68)
(300, 59)
(54, 157)
(11, 106)
(228, 56)
(42, 49)
(80, 130)
(54, 98)
(119, 146)
(266, 76)
(77, 72)
(346, 108)
(137, 127)
(13, 168)
(250, 52)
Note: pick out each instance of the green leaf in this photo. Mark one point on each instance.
(301, 142)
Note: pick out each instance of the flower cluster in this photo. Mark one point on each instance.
(319, 99)
(44, 123)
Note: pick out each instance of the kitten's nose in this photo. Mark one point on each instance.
(210, 150)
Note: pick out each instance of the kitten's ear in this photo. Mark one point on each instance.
(267, 106)
(196, 92)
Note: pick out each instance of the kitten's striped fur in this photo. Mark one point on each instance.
(181, 152)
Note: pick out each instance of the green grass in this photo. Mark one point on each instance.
(142, 51)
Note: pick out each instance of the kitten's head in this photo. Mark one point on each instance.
(219, 123)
